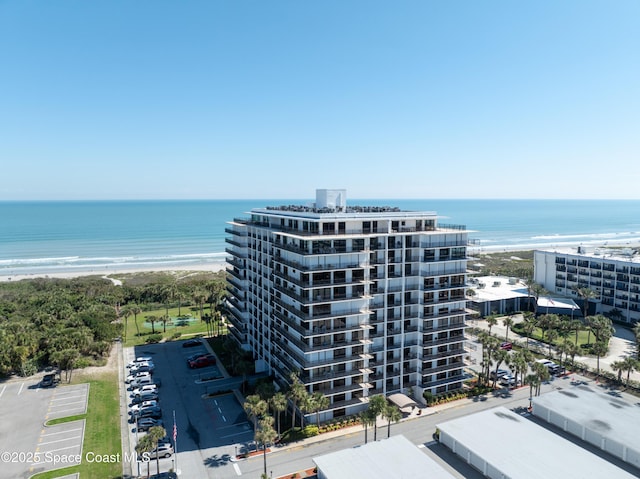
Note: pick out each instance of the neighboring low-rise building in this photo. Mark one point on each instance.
(500, 443)
(392, 458)
(612, 273)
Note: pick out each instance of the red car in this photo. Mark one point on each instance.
(202, 362)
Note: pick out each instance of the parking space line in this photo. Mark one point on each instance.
(62, 432)
(66, 404)
(71, 397)
(60, 440)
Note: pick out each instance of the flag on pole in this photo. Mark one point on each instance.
(175, 428)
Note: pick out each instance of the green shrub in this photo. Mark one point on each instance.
(310, 431)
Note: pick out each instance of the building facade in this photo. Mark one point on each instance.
(357, 300)
(613, 274)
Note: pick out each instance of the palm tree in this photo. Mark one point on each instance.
(535, 290)
(136, 310)
(152, 319)
(297, 394)
(265, 435)
(599, 349)
(541, 373)
(499, 356)
(602, 328)
(491, 321)
(618, 366)
(636, 332)
(519, 364)
(529, 325)
(576, 325)
(367, 419)
(255, 408)
(278, 403)
(155, 434)
(586, 294)
(507, 322)
(552, 335)
(630, 364)
(391, 413)
(145, 445)
(320, 402)
(377, 404)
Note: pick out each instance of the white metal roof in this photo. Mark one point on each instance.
(519, 448)
(393, 458)
(610, 415)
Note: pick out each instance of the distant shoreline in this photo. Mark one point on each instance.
(221, 265)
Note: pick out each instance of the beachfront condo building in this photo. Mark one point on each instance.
(612, 273)
(357, 300)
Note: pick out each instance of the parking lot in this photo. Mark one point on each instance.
(27, 445)
(209, 429)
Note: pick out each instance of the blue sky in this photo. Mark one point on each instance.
(273, 99)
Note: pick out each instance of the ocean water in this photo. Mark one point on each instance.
(82, 236)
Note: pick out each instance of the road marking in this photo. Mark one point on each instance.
(69, 397)
(62, 432)
(21, 386)
(60, 440)
(67, 403)
(238, 471)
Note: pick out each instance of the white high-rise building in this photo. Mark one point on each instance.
(357, 300)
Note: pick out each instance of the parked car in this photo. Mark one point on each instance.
(134, 376)
(142, 367)
(153, 412)
(506, 346)
(143, 405)
(508, 381)
(202, 362)
(498, 374)
(146, 423)
(193, 357)
(143, 398)
(163, 450)
(48, 380)
(191, 343)
(139, 382)
(138, 360)
(147, 388)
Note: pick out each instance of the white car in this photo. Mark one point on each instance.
(146, 366)
(148, 388)
(135, 376)
(140, 359)
(134, 409)
(508, 381)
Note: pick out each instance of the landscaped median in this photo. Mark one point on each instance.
(101, 455)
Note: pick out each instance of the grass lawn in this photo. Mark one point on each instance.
(102, 431)
(187, 328)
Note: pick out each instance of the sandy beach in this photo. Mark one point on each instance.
(108, 272)
(219, 266)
